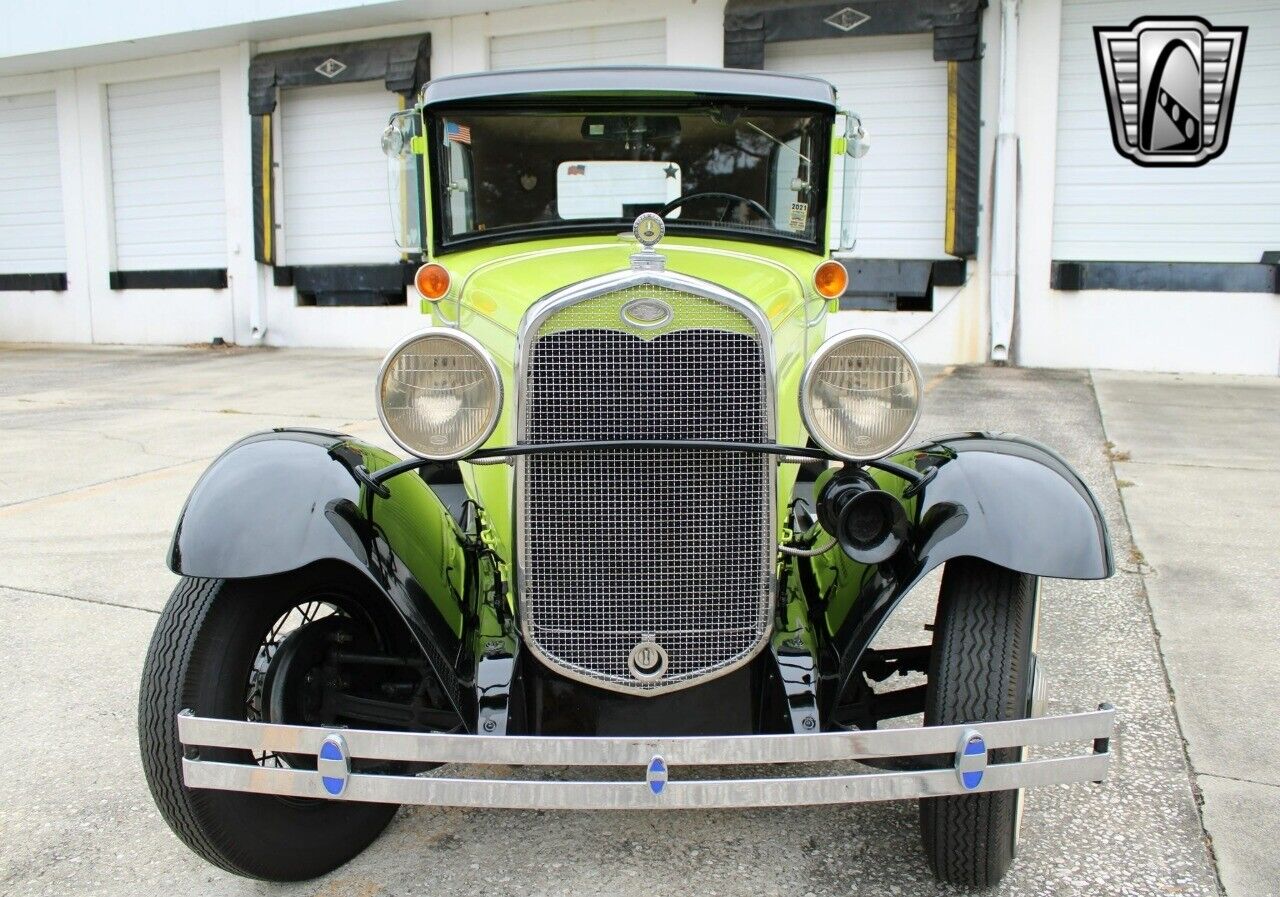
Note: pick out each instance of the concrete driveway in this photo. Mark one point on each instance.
(99, 450)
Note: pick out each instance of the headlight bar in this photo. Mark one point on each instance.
(803, 454)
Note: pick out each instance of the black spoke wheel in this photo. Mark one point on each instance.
(981, 669)
(220, 649)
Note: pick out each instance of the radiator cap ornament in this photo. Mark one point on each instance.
(648, 229)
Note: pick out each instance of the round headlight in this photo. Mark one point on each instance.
(439, 394)
(860, 395)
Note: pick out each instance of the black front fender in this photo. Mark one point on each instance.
(1004, 499)
(279, 501)
(1009, 501)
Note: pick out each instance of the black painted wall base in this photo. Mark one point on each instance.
(1180, 277)
(899, 284)
(28, 282)
(177, 279)
(331, 286)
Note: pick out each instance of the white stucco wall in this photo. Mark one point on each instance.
(89, 311)
(1152, 331)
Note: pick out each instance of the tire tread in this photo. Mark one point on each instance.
(195, 661)
(159, 702)
(976, 672)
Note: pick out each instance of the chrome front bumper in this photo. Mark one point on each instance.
(653, 758)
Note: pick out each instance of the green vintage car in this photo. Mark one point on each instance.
(652, 516)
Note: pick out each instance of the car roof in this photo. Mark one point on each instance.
(631, 81)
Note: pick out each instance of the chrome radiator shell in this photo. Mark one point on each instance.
(704, 635)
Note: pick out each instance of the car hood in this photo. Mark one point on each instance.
(500, 284)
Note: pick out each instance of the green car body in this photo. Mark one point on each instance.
(496, 286)
(530, 519)
(461, 562)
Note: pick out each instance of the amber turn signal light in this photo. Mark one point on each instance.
(432, 282)
(830, 279)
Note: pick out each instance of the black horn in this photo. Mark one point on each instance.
(868, 522)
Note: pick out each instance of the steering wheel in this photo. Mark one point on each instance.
(733, 200)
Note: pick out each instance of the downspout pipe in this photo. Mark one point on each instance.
(1004, 210)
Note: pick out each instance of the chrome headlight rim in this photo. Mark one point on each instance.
(806, 406)
(490, 366)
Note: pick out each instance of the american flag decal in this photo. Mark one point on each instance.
(456, 132)
(576, 169)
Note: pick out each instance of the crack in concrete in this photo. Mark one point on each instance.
(1260, 466)
(1218, 775)
(99, 601)
(51, 404)
(1192, 774)
(15, 505)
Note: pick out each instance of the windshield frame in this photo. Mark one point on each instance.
(435, 115)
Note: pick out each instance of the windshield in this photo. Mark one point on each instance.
(752, 172)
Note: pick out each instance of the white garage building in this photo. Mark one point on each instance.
(172, 174)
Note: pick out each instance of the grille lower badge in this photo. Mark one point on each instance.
(648, 660)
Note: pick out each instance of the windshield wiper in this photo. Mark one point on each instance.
(767, 135)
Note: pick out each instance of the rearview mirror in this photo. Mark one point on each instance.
(400, 144)
(857, 140)
(630, 129)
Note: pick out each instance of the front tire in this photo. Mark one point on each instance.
(202, 654)
(981, 669)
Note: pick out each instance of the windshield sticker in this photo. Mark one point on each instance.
(456, 132)
(799, 216)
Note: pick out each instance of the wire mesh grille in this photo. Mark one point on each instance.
(672, 546)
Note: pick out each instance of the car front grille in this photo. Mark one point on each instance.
(669, 546)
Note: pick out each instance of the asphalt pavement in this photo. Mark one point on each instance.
(100, 447)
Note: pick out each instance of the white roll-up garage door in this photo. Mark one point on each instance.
(900, 92)
(167, 184)
(32, 238)
(631, 43)
(336, 209)
(1106, 208)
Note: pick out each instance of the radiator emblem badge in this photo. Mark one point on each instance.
(647, 313)
(648, 660)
